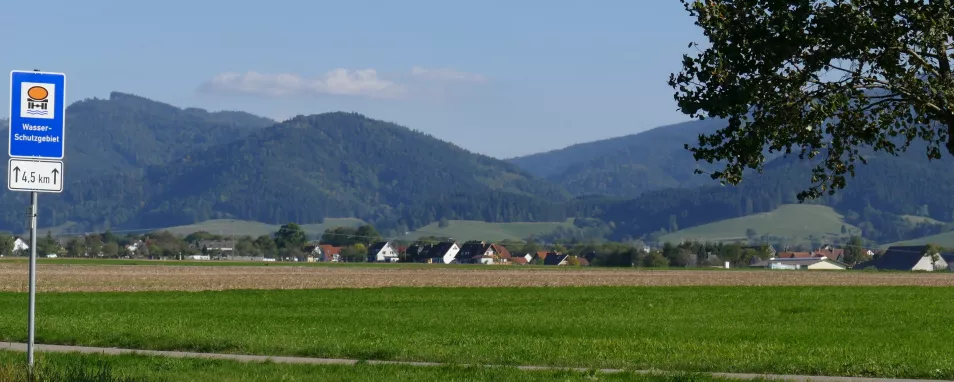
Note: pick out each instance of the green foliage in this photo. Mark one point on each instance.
(355, 253)
(47, 245)
(821, 78)
(266, 246)
(349, 236)
(854, 251)
(290, 236)
(464, 230)
(75, 247)
(655, 260)
(6, 245)
(624, 166)
(59, 372)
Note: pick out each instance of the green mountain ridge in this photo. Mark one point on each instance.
(127, 133)
(332, 164)
(191, 165)
(303, 169)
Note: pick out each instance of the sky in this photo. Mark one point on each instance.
(501, 78)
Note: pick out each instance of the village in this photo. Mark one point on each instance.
(827, 257)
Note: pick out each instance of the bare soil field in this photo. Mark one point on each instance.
(97, 278)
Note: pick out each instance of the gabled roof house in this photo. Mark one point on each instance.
(382, 251)
(906, 258)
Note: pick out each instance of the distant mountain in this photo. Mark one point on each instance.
(127, 133)
(555, 162)
(626, 166)
(135, 163)
(334, 164)
(875, 200)
(304, 169)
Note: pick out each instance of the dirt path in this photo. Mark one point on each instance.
(327, 361)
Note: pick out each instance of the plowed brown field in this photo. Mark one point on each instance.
(93, 278)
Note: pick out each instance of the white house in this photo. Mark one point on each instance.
(132, 248)
(199, 257)
(483, 253)
(20, 245)
(447, 252)
(382, 252)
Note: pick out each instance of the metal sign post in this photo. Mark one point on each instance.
(36, 148)
(31, 324)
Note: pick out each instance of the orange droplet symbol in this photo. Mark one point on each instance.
(37, 92)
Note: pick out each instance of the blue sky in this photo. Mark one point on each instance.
(502, 78)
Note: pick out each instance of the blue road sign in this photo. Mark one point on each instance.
(37, 114)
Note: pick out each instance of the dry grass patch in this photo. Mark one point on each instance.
(94, 278)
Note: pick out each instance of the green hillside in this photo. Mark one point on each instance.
(127, 133)
(792, 221)
(921, 219)
(945, 240)
(303, 170)
(231, 227)
(463, 230)
(624, 166)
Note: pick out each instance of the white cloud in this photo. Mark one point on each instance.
(361, 82)
(445, 74)
(343, 82)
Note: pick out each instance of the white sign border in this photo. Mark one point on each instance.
(62, 175)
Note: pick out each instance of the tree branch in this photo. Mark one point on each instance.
(917, 57)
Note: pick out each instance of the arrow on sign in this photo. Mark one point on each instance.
(16, 172)
(55, 171)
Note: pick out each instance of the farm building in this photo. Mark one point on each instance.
(221, 246)
(906, 258)
(810, 263)
(555, 259)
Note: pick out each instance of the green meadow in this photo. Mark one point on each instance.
(795, 221)
(59, 367)
(892, 332)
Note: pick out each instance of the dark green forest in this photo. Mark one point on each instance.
(133, 163)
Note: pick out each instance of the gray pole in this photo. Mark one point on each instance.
(30, 321)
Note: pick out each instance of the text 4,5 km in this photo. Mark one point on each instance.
(35, 175)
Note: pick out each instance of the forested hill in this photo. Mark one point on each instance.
(554, 162)
(625, 166)
(133, 163)
(875, 200)
(333, 164)
(127, 133)
(304, 169)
